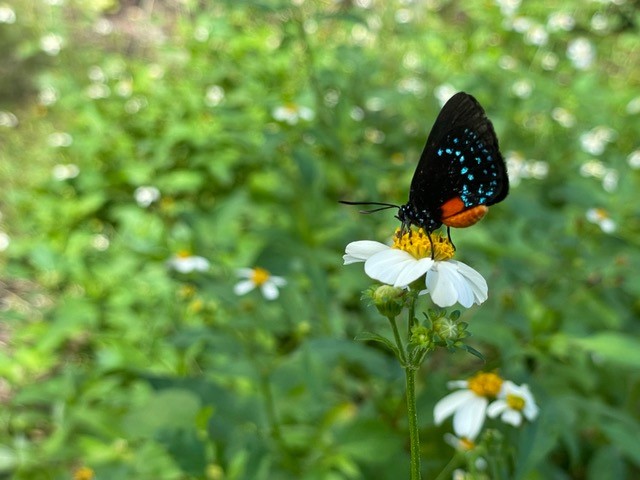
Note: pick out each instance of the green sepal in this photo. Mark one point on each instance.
(472, 351)
(374, 337)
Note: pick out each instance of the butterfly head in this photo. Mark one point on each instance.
(409, 215)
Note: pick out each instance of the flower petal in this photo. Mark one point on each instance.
(450, 404)
(243, 287)
(468, 420)
(496, 408)
(244, 272)
(278, 281)
(476, 281)
(386, 266)
(269, 290)
(362, 250)
(413, 271)
(512, 417)
(440, 285)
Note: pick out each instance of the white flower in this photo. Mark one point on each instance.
(51, 44)
(447, 281)
(513, 403)
(600, 217)
(146, 195)
(65, 171)
(184, 262)
(214, 95)
(7, 15)
(469, 405)
(581, 53)
(444, 92)
(8, 119)
(595, 140)
(59, 139)
(634, 159)
(292, 113)
(5, 240)
(258, 277)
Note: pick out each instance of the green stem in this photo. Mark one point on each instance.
(412, 415)
(396, 336)
(412, 311)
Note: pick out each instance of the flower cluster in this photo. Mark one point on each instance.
(471, 404)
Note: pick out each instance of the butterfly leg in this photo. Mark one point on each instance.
(449, 237)
(431, 244)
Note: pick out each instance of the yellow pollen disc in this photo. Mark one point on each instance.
(515, 402)
(417, 244)
(485, 384)
(183, 254)
(259, 276)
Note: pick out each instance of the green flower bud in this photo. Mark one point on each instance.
(388, 300)
(421, 336)
(446, 329)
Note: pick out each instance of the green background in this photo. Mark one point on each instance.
(111, 360)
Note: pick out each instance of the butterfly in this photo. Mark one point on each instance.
(460, 173)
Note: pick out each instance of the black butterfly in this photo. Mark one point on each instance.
(460, 173)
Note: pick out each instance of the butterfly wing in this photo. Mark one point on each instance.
(460, 160)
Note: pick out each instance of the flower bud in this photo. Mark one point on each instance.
(388, 300)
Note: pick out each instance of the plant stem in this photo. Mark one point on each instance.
(412, 416)
(396, 336)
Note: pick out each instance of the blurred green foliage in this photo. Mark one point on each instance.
(113, 361)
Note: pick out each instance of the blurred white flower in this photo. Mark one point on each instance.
(610, 180)
(581, 52)
(522, 88)
(563, 116)
(444, 92)
(47, 96)
(7, 15)
(595, 140)
(134, 105)
(633, 106)
(331, 98)
(513, 404)
(184, 262)
(292, 113)
(593, 168)
(468, 405)
(549, 60)
(560, 21)
(214, 95)
(634, 159)
(599, 22)
(507, 62)
(536, 35)
(201, 34)
(519, 167)
(411, 85)
(59, 139)
(96, 91)
(508, 7)
(374, 104)
(124, 87)
(4, 241)
(146, 195)
(103, 26)
(521, 24)
(374, 135)
(96, 74)
(403, 15)
(65, 171)
(260, 278)
(447, 281)
(8, 119)
(357, 114)
(600, 217)
(100, 242)
(51, 44)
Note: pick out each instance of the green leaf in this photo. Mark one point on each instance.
(623, 350)
(473, 351)
(374, 337)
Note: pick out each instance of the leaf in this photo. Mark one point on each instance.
(613, 347)
(374, 337)
(473, 351)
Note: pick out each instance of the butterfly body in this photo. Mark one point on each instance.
(461, 171)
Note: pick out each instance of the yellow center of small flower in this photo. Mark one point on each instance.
(515, 402)
(485, 384)
(466, 444)
(183, 254)
(417, 244)
(83, 473)
(259, 276)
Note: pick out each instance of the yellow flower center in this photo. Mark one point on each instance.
(466, 444)
(259, 276)
(515, 402)
(183, 254)
(417, 244)
(485, 384)
(83, 473)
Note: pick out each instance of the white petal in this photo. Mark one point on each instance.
(362, 250)
(243, 287)
(244, 272)
(476, 281)
(468, 420)
(277, 281)
(199, 264)
(449, 404)
(442, 291)
(457, 384)
(386, 266)
(413, 271)
(512, 417)
(269, 290)
(496, 408)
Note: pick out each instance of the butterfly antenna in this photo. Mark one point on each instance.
(384, 206)
(449, 237)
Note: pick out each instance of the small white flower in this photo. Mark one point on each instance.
(595, 140)
(51, 44)
(258, 277)
(5, 240)
(48, 96)
(634, 159)
(633, 107)
(292, 113)
(59, 139)
(146, 195)
(65, 171)
(214, 96)
(448, 281)
(184, 262)
(560, 21)
(96, 91)
(468, 405)
(564, 117)
(513, 404)
(581, 53)
(600, 217)
(522, 88)
(7, 15)
(8, 119)
(444, 92)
